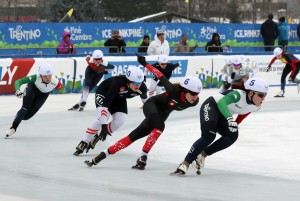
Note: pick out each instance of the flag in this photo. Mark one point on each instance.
(69, 13)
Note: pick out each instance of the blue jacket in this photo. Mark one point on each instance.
(283, 31)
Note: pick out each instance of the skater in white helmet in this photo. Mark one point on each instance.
(35, 94)
(216, 116)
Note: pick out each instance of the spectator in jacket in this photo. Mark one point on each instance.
(269, 31)
(159, 46)
(144, 45)
(116, 42)
(214, 45)
(283, 33)
(183, 46)
(65, 46)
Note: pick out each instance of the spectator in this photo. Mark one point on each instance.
(183, 46)
(214, 45)
(116, 42)
(283, 33)
(65, 46)
(298, 31)
(269, 31)
(159, 45)
(144, 45)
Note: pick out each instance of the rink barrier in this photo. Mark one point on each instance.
(70, 71)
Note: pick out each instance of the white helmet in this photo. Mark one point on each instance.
(97, 54)
(236, 60)
(135, 74)
(191, 83)
(45, 69)
(228, 60)
(277, 51)
(163, 59)
(257, 84)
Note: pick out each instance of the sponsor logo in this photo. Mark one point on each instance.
(206, 110)
(20, 34)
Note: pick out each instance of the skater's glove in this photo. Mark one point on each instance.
(268, 68)
(20, 94)
(176, 65)
(232, 125)
(141, 60)
(145, 78)
(104, 132)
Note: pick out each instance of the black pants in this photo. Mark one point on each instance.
(32, 102)
(269, 42)
(92, 78)
(155, 118)
(212, 122)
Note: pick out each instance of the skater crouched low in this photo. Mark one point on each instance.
(216, 116)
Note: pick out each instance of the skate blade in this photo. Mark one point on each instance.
(88, 163)
(176, 174)
(136, 167)
(278, 96)
(196, 168)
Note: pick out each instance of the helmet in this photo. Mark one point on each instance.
(257, 84)
(163, 59)
(135, 74)
(228, 60)
(97, 54)
(45, 69)
(277, 51)
(236, 60)
(191, 83)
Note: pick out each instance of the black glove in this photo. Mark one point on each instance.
(104, 132)
(145, 78)
(232, 75)
(141, 60)
(105, 72)
(226, 85)
(176, 65)
(269, 67)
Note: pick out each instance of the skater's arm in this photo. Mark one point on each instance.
(24, 80)
(232, 97)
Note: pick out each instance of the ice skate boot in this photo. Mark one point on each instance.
(80, 148)
(280, 94)
(96, 160)
(93, 143)
(140, 163)
(10, 132)
(201, 159)
(75, 107)
(81, 106)
(181, 170)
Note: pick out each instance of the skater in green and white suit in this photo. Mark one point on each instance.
(216, 116)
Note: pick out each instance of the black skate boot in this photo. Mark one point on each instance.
(93, 143)
(140, 163)
(75, 107)
(81, 106)
(96, 160)
(80, 148)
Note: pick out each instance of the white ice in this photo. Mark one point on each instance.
(37, 161)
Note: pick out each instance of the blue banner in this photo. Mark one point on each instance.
(48, 35)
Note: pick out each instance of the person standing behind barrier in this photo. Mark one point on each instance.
(283, 33)
(144, 45)
(214, 45)
(65, 46)
(159, 46)
(116, 43)
(269, 31)
(166, 68)
(292, 64)
(94, 72)
(183, 46)
(35, 94)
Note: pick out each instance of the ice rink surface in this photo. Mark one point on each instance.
(37, 162)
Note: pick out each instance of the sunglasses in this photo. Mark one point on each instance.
(136, 83)
(193, 93)
(98, 59)
(260, 94)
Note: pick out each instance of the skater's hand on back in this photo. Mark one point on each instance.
(20, 94)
